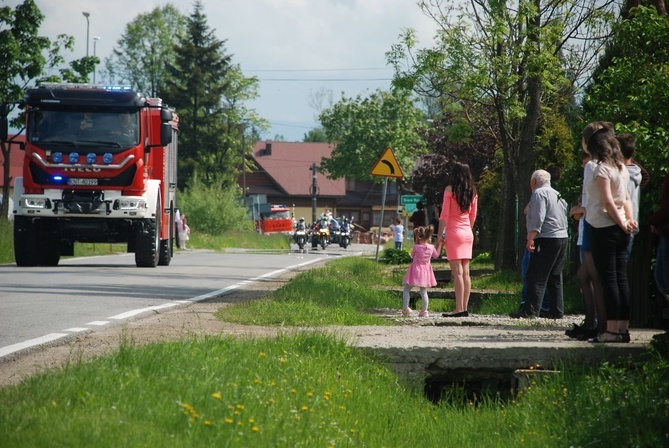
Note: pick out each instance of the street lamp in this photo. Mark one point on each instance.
(95, 45)
(88, 25)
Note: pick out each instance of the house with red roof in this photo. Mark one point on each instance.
(284, 175)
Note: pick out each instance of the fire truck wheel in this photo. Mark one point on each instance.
(147, 241)
(49, 244)
(166, 246)
(25, 242)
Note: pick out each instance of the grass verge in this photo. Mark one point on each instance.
(315, 390)
(337, 294)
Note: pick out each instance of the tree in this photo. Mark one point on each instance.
(362, 128)
(146, 48)
(25, 54)
(511, 57)
(197, 81)
(316, 135)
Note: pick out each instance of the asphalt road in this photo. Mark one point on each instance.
(43, 304)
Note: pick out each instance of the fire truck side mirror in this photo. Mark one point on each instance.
(166, 114)
(4, 123)
(165, 134)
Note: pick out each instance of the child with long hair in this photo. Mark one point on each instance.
(420, 272)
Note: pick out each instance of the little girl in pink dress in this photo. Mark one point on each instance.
(420, 272)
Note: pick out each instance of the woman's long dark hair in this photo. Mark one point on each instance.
(604, 147)
(462, 185)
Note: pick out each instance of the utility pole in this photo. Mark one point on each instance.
(314, 193)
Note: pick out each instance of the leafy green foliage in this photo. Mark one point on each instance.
(145, 48)
(632, 88)
(213, 209)
(362, 128)
(317, 135)
(197, 81)
(501, 68)
(395, 256)
(453, 139)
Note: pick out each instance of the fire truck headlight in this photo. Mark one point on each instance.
(57, 157)
(74, 157)
(107, 158)
(91, 158)
(130, 204)
(36, 203)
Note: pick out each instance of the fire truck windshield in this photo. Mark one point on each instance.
(276, 215)
(102, 128)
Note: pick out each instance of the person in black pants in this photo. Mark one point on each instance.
(547, 243)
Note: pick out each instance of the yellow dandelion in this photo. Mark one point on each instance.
(256, 380)
(304, 408)
(262, 354)
(208, 423)
(342, 407)
(352, 431)
(230, 406)
(252, 420)
(229, 420)
(255, 428)
(282, 359)
(310, 394)
(216, 395)
(240, 406)
(293, 391)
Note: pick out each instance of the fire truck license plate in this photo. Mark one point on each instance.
(82, 181)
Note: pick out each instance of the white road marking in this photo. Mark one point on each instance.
(4, 351)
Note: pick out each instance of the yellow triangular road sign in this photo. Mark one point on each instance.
(387, 165)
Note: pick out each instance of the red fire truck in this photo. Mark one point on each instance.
(99, 167)
(277, 220)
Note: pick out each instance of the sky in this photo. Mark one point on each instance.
(296, 48)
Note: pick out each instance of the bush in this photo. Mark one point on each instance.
(214, 209)
(395, 256)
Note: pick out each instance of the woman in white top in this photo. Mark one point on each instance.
(609, 212)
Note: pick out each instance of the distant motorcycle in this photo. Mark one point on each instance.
(300, 235)
(345, 233)
(320, 234)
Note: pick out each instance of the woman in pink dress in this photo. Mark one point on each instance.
(420, 272)
(458, 214)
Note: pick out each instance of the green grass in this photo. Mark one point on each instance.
(6, 241)
(246, 239)
(340, 293)
(315, 390)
